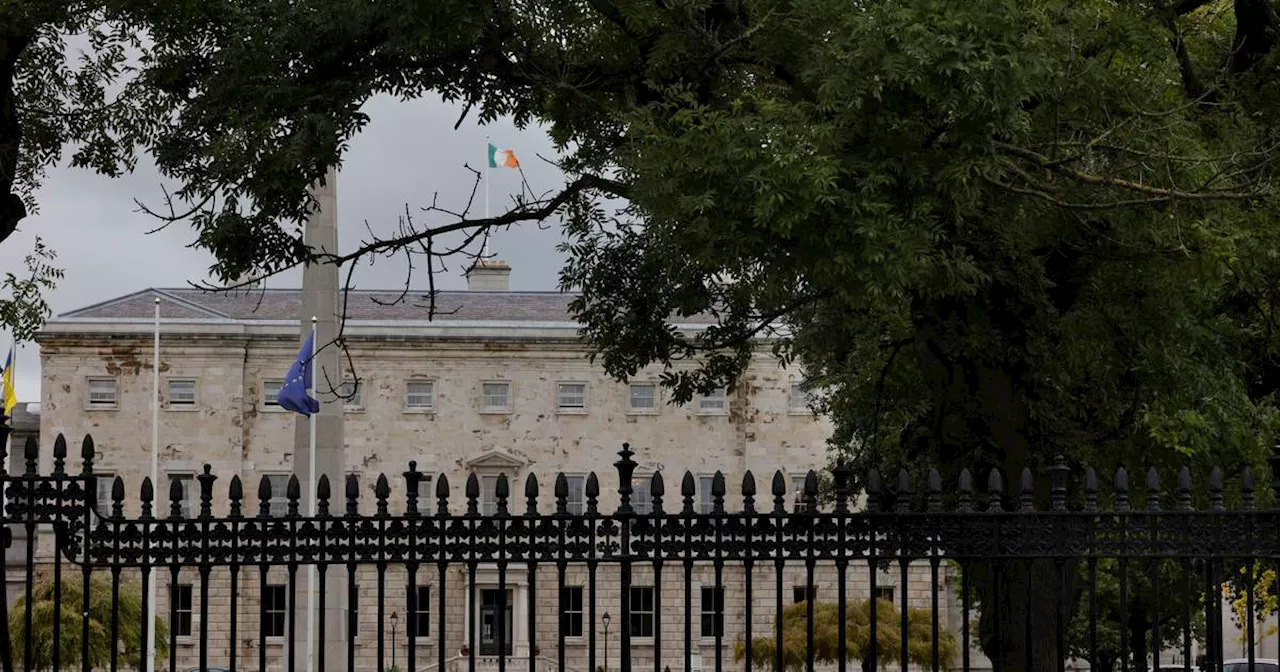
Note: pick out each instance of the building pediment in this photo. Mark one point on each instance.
(495, 460)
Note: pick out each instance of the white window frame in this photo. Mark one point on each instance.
(269, 400)
(580, 506)
(428, 407)
(171, 405)
(805, 398)
(190, 611)
(489, 494)
(716, 615)
(705, 501)
(797, 493)
(90, 405)
(418, 603)
(702, 400)
(632, 409)
(642, 483)
(560, 398)
(105, 481)
(499, 410)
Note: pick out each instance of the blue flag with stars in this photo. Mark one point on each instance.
(293, 394)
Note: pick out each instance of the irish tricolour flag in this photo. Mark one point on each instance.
(502, 158)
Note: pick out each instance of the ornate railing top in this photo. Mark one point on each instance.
(894, 524)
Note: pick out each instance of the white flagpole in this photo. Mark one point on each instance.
(311, 482)
(155, 477)
(487, 173)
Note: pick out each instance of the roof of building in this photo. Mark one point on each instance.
(286, 304)
(372, 305)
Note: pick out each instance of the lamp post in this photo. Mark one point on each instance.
(394, 619)
(605, 620)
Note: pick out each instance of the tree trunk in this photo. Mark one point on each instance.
(1018, 625)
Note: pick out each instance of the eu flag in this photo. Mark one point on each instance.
(293, 394)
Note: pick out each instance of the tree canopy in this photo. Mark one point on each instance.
(989, 232)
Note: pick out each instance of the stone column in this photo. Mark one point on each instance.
(320, 298)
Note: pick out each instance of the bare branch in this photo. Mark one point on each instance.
(1045, 163)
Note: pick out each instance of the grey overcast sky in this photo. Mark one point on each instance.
(408, 152)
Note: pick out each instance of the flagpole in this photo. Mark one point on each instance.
(487, 172)
(311, 483)
(155, 475)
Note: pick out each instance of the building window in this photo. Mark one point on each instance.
(278, 506)
(705, 500)
(102, 393)
(422, 612)
(420, 395)
(571, 397)
(182, 392)
(799, 399)
(495, 397)
(644, 397)
(271, 391)
(426, 493)
(103, 482)
(798, 504)
(803, 593)
(275, 605)
(488, 495)
(187, 503)
(712, 403)
(712, 611)
(641, 496)
(571, 611)
(884, 593)
(182, 605)
(577, 499)
(641, 611)
(351, 393)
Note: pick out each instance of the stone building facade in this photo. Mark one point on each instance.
(497, 383)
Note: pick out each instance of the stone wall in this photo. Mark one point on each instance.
(233, 430)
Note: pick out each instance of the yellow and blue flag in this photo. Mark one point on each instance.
(6, 385)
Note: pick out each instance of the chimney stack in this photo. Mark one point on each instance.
(489, 275)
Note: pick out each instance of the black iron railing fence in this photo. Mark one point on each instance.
(1154, 573)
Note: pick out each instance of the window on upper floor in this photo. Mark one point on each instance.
(495, 397)
(102, 393)
(799, 399)
(643, 397)
(182, 392)
(716, 402)
(420, 395)
(571, 397)
(271, 391)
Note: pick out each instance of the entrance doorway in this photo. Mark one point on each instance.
(490, 605)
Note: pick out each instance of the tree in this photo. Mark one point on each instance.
(70, 643)
(990, 233)
(826, 637)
